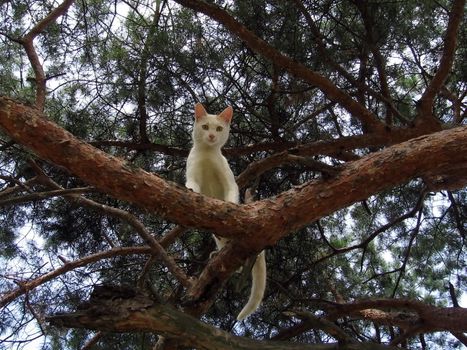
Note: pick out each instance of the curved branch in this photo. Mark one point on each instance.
(44, 195)
(69, 266)
(357, 110)
(28, 44)
(447, 59)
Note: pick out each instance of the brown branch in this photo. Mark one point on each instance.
(327, 57)
(368, 22)
(69, 266)
(394, 165)
(429, 318)
(20, 186)
(445, 64)
(452, 292)
(142, 75)
(28, 43)
(45, 195)
(60, 10)
(89, 345)
(126, 310)
(375, 233)
(157, 247)
(39, 74)
(143, 146)
(313, 322)
(297, 69)
(255, 169)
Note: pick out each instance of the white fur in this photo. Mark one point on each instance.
(209, 173)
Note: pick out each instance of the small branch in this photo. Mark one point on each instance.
(457, 215)
(142, 74)
(20, 186)
(326, 326)
(452, 293)
(27, 42)
(170, 237)
(328, 59)
(45, 195)
(445, 64)
(30, 285)
(158, 249)
(51, 17)
(375, 233)
(255, 169)
(368, 21)
(407, 252)
(143, 146)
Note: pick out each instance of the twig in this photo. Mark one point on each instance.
(45, 195)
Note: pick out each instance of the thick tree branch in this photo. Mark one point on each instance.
(426, 317)
(253, 226)
(116, 309)
(289, 211)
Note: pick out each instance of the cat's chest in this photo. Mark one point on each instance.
(212, 175)
(211, 169)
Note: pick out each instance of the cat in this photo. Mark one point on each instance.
(209, 173)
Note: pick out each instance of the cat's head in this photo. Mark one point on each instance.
(209, 129)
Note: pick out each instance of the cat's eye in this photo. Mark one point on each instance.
(219, 128)
(205, 126)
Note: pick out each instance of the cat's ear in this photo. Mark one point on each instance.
(226, 115)
(200, 112)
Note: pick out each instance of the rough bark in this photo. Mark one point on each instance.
(117, 309)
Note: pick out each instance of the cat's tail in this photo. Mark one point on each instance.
(258, 279)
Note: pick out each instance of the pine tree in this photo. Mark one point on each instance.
(349, 142)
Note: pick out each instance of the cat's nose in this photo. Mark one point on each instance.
(211, 136)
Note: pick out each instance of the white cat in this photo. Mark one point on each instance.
(208, 173)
